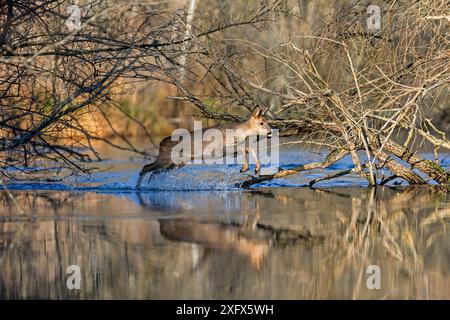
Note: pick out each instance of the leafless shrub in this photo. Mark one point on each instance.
(56, 74)
(340, 86)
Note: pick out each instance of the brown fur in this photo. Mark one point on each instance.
(255, 125)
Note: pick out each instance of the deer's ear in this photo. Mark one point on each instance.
(257, 112)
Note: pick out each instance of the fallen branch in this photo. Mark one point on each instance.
(432, 169)
(331, 176)
(332, 158)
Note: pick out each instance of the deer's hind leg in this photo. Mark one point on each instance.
(150, 174)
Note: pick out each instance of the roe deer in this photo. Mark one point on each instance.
(256, 125)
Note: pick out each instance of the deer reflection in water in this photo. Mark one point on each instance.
(175, 245)
(238, 235)
(215, 236)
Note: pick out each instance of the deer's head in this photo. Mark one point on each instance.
(258, 124)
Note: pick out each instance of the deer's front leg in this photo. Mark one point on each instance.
(255, 156)
(245, 166)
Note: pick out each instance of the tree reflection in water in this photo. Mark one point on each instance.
(269, 243)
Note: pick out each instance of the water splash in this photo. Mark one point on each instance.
(189, 178)
(122, 176)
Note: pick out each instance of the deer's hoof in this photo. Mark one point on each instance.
(257, 170)
(243, 169)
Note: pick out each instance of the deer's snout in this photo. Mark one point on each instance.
(269, 134)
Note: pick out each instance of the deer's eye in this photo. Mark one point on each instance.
(261, 123)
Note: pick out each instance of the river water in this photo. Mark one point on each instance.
(195, 235)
